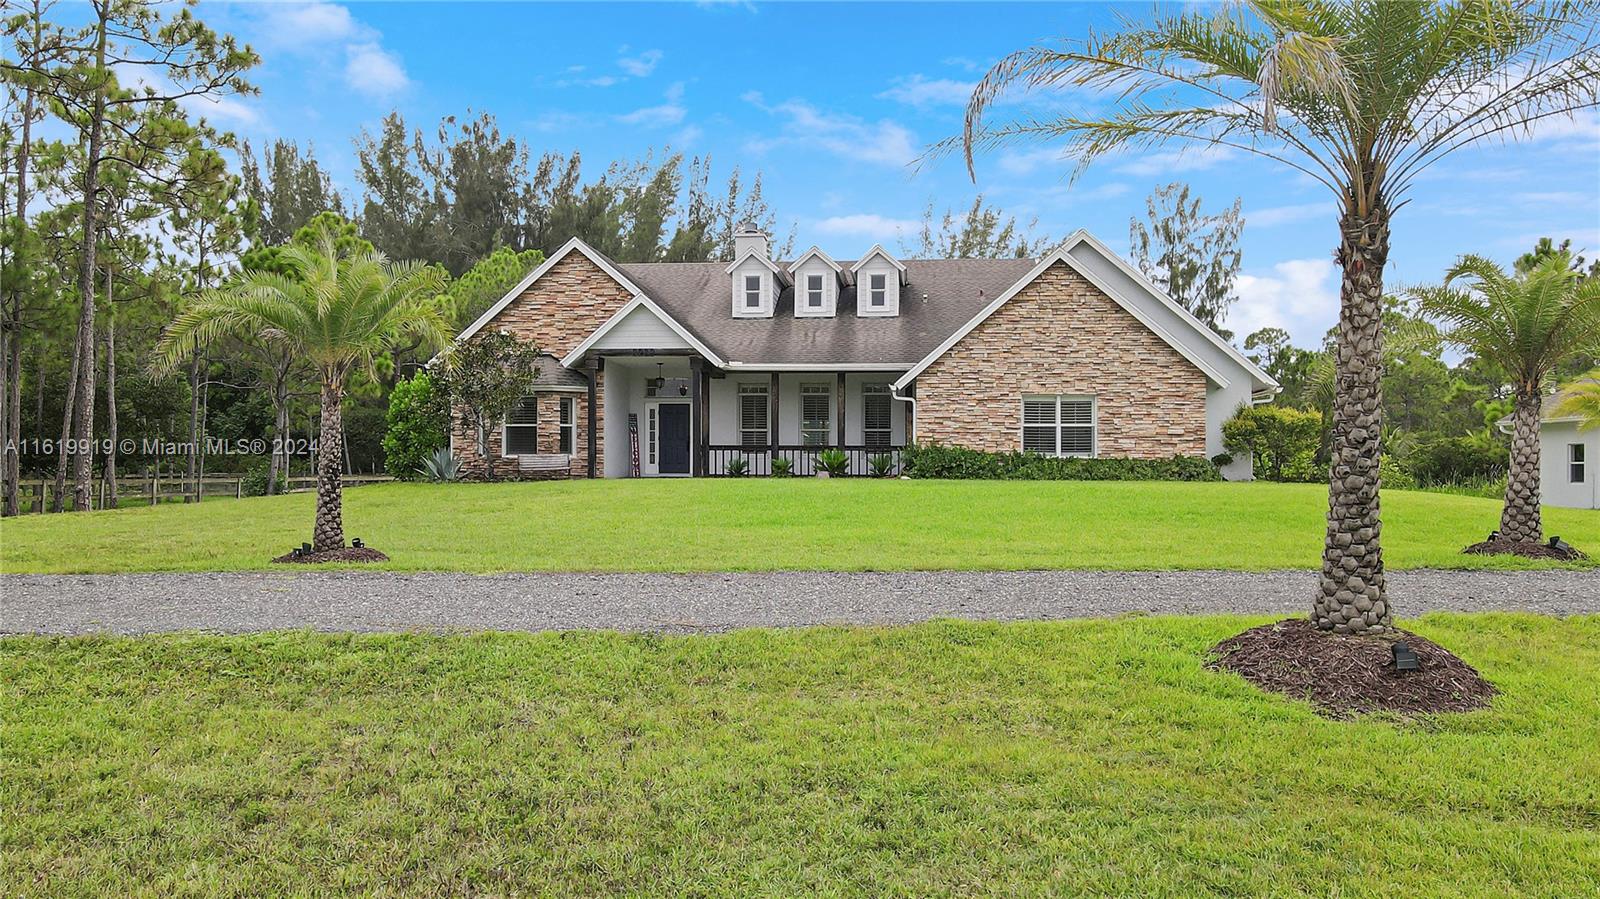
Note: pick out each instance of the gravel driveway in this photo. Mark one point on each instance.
(383, 601)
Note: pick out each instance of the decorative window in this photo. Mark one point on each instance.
(1575, 462)
(1058, 425)
(569, 425)
(752, 291)
(813, 291)
(878, 290)
(876, 431)
(816, 422)
(753, 412)
(650, 435)
(521, 433)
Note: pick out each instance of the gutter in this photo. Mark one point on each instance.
(894, 393)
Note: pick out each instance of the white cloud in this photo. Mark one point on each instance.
(669, 113)
(876, 227)
(291, 25)
(374, 71)
(642, 65)
(920, 91)
(1300, 295)
(1274, 216)
(1191, 159)
(1026, 162)
(687, 136)
(885, 142)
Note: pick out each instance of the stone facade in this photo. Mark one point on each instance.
(557, 312)
(1062, 335)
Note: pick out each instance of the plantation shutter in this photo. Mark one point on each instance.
(875, 406)
(522, 428)
(753, 408)
(1077, 427)
(1058, 425)
(815, 423)
(1039, 425)
(568, 424)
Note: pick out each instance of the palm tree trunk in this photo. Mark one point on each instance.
(329, 531)
(1520, 519)
(1352, 599)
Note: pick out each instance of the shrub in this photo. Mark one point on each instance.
(443, 465)
(881, 465)
(1282, 442)
(254, 482)
(935, 460)
(1458, 460)
(834, 461)
(417, 425)
(782, 467)
(737, 467)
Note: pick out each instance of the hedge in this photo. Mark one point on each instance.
(938, 461)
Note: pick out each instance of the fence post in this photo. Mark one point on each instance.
(238, 488)
(155, 486)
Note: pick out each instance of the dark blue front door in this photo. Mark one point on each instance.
(674, 423)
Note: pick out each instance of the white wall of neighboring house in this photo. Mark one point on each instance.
(1556, 486)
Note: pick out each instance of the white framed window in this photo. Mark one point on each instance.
(520, 433)
(816, 419)
(814, 296)
(878, 291)
(1058, 425)
(1575, 463)
(650, 434)
(568, 425)
(876, 430)
(752, 291)
(753, 413)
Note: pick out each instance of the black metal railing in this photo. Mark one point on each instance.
(803, 461)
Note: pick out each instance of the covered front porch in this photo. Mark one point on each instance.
(675, 414)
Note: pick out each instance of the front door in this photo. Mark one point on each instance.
(672, 439)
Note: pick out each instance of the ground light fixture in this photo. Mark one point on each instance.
(1405, 658)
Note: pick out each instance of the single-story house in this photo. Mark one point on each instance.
(1567, 457)
(676, 369)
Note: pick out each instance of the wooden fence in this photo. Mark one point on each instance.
(148, 491)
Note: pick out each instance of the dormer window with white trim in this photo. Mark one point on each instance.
(879, 278)
(816, 284)
(754, 282)
(752, 292)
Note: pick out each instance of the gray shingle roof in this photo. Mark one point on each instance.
(697, 295)
(554, 376)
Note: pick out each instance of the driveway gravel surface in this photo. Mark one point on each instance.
(241, 602)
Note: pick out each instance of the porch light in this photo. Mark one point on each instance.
(1404, 658)
(659, 381)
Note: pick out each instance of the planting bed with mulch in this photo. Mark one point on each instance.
(348, 554)
(1345, 676)
(1497, 545)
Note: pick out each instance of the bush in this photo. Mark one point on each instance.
(835, 462)
(737, 467)
(1458, 460)
(935, 460)
(417, 426)
(782, 467)
(254, 482)
(1282, 442)
(881, 465)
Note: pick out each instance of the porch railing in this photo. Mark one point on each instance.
(802, 459)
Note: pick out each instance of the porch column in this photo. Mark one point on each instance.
(591, 369)
(839, 412)
(697, 403)
(772, 417)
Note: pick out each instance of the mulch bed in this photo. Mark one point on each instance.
(1344, 676)
(1501, 546)
(348, 554)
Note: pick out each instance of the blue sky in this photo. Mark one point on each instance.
(832, 102)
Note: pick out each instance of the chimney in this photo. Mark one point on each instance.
(749, 238)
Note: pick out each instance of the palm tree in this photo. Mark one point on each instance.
(338, 308)
(1528, 324)
(1581, 400)
(1360, 96)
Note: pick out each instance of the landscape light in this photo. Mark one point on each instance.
(1404, 658)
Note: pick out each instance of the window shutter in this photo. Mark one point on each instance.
(522, 431)
(753, 415)
(1039, 425)
(875, 415)
(814, 419)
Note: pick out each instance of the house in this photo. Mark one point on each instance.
(1567, 458)
(676, 369)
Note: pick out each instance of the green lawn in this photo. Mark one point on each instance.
(712, 525)
(1084, 757)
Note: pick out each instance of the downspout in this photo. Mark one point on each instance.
(894, 393)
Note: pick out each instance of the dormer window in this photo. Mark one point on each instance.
(752, 292)
(755, 284)
(877, 291)
(879, 279)
(814, 292)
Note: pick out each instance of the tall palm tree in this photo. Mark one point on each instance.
(1528, 324)
(1581, 400)
(1360, 96)
(338, 308)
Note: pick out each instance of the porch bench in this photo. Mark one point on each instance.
(544, 465)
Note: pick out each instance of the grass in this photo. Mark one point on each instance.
(1065, 758)
(764, 524)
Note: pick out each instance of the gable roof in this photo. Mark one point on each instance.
(771, 266)
(817, 252)
(1182, 339)
(643, 302)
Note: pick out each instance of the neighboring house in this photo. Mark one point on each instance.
(673, 369)
(1568, 456)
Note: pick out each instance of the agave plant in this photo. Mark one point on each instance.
(443, 465)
